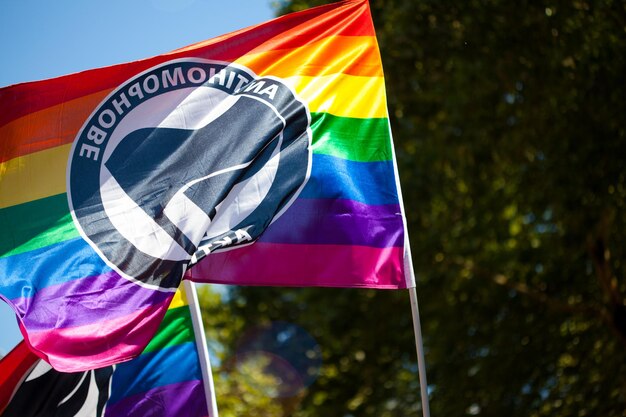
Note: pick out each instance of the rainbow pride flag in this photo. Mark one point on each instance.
(261, 157)
(165, 380)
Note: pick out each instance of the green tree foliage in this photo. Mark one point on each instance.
(509, 122)
(237, 386)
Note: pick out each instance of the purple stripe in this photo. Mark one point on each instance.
(85, 301)
(185, 399)
(338, 222)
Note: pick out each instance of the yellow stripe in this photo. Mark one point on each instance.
(342, 95)
(33, 176)
(355, 55)
(42, 174)
(180, 298)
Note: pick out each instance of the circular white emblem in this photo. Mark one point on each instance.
(186, 158)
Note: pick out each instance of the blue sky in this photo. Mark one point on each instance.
(44, 39)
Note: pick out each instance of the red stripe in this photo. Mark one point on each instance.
(48, 128)
(350, 18)
(13, 370)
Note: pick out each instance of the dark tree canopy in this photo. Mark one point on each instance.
(509, 122)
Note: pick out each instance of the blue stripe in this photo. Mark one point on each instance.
(371, 183)
(22, 275)
(171, 365)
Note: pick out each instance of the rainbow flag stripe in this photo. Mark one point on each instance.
(345, 229)
(164, 381)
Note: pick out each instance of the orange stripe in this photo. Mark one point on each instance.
(353, 55)
(54, 126)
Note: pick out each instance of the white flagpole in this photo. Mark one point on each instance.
(410, 283)
(201, 346)
(421, 363)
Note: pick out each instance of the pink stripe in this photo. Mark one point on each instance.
(303, 266)
(74, 349)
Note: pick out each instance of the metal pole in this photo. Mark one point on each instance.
(201, 346)
(410, 283)
(421, 364)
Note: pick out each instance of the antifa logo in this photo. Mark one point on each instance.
(187, 158)
(47, 392)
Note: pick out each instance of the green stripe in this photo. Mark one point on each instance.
(44, 222)
(35, 224)
(361, 140)
(175, 329)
